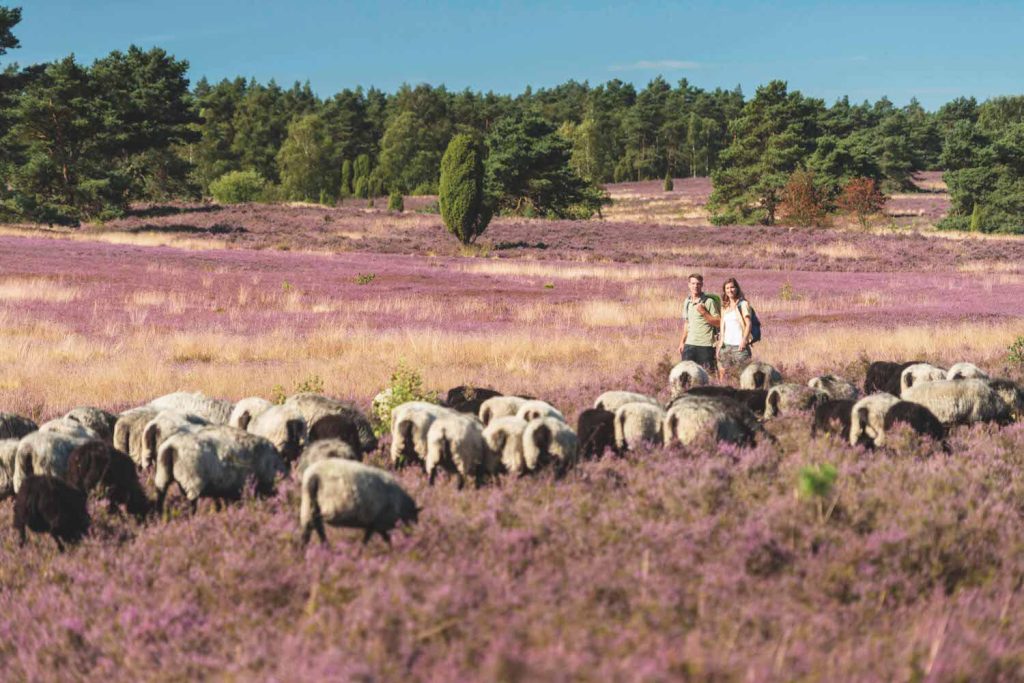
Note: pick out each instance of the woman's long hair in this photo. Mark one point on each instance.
(725, 297)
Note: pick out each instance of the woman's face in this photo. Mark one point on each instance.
(730, 290)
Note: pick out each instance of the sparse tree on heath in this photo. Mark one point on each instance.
(465, 209)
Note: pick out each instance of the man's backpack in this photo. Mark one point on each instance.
(755, 324)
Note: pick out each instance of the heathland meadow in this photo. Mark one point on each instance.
(666, 564)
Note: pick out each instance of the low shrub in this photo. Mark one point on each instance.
(236, 187)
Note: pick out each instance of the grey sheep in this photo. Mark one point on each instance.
(500, 406)
(8, 453)
(284, 427)
(531, 410)
(214, 410)
(327, 418)
(759, 375)
(246, 409)
(322, 450)
(695, 418)
(684, 376)
(45, 452)
(867, 419)
(15, 426)
(783, 399)
(159, 429)
(96, 419)
(960, 401)
(638, 422)
(349, 494)
(129, 431)
(504, 438)
(68, 427)
(1012, 393)
(410, 423)
(549, 441)
(919, 373)
(965, 371)
(455, 443)
(835, 388)
(613, 400)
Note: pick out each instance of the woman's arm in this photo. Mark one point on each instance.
(745, 321)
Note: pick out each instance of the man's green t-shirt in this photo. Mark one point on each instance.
(699, 332)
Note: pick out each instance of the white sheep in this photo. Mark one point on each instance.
(785, 398)
(960, 401)
(455, 442)
(695, 418)
(129, 431)
(410, 423)
(867, 419)
(46, 452)
(531, 410)
(214, 410)
(322, 450)
(549, 441)
(159, 429)
(15, 426)
(919, 373)
(328, 418)
(246, 409)
(500, 406)
(350, 494)
(67, 427)
(8, 453)
(965, 371)
(215, 462)
(504, 439)
(835, 388)
(684, 375)
(638, 422)
(96, 419)
(759, 375)
(613, 400)
(284, 427)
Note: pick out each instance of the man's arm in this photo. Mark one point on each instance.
(682, 339)
(709, 318)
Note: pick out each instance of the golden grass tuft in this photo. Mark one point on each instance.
(37, 289)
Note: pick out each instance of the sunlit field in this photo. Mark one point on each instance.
(668, 564)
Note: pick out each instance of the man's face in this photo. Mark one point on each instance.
(696, 287)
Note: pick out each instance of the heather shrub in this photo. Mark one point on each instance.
(406, 384)
(236, 187)
(464, 206)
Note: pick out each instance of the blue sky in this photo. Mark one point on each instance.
(934, 50)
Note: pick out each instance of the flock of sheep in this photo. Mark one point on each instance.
(211, 448)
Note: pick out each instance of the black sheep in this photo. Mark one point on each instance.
(467, 399)
(15, 426)
(883, 375)
(917, 417)
(755, 399)
(595, 430)
(95, 464)
(833, 417)
(49, 505)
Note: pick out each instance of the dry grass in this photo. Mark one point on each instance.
(36, 289)
(138, 239)
(840, 250)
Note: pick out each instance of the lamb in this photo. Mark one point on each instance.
(96, 419)
(47, 504)
(595, 430)
(884, 376)
(45, 452)
(349, 494)
(532, 410)
(504, 438)
(961, 401)
(548, 440)
(685, 375)
(637, 422)
(322, 450)
(832, 416)
(215, 462)
(455, 442)
(917, 417)
(15, 426)
(8, 452)
(867, 419)
(327, 418)
(758, 375)
(719, 418)
(467, 399)
(247, 409)
(787, 398)
(410, 423)
(612, 400)
(833, 387)
(94, 464)
(213, 410)
(500, 406)
(129, 431)
(965, 371)
(160, 428)
(919, 373)
(284, 427)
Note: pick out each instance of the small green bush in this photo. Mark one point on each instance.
(312, 384)
(236, 187)
(1015, 354)
(396, 202)
(365, 278)
(405, 385)
(669, 185)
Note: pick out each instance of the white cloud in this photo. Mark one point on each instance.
(655, 65)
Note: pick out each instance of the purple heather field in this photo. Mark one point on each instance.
(703, 564)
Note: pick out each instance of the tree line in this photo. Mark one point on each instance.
(82, 142)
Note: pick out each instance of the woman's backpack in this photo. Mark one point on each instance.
(755, 324)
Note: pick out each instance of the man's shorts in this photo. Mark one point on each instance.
(701, 355)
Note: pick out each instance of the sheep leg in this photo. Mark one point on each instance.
(21, 534)
(386, 536)
(194, 507)
(160, 497)
(60, 546)
(218, 504)
(432, 476)
(367, 535)
(318, 524)
(462, 481)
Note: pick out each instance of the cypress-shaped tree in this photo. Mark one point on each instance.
(669, 185)
(464, 206)
(346, 178)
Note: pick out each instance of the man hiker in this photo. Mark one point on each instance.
(701, 319)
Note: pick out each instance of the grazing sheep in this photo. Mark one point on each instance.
(160, 428)
(685, 375)
(467, 399)
(532, 410)
(549, 441)
(455, 442)
(322, 450)
(327, 418)
(8, 453)
(917, 417)
(595, 430)
(832, 416)
(247, 409)
(867, 419)
(612, 400)
(716, 417)
(919, 373)
(960, 401)
(1012, 393)
(787, 398)
(755, 399)
(45, 452)
(504, 438)
(284, 427)
(129, 431)
(349, 494)
(833, 387)
(214, 410)
(637, 422)
(215, 462)
(47, 504)
(500, 406)
(410, 423)
(94, 464)
(965, 371)
(15, 426)
(68, 427)
(96, 419)
(758, 375)
(883, 375)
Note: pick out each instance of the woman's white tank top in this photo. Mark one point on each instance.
(732, 327)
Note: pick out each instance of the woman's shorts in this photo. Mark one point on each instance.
(732, 359)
